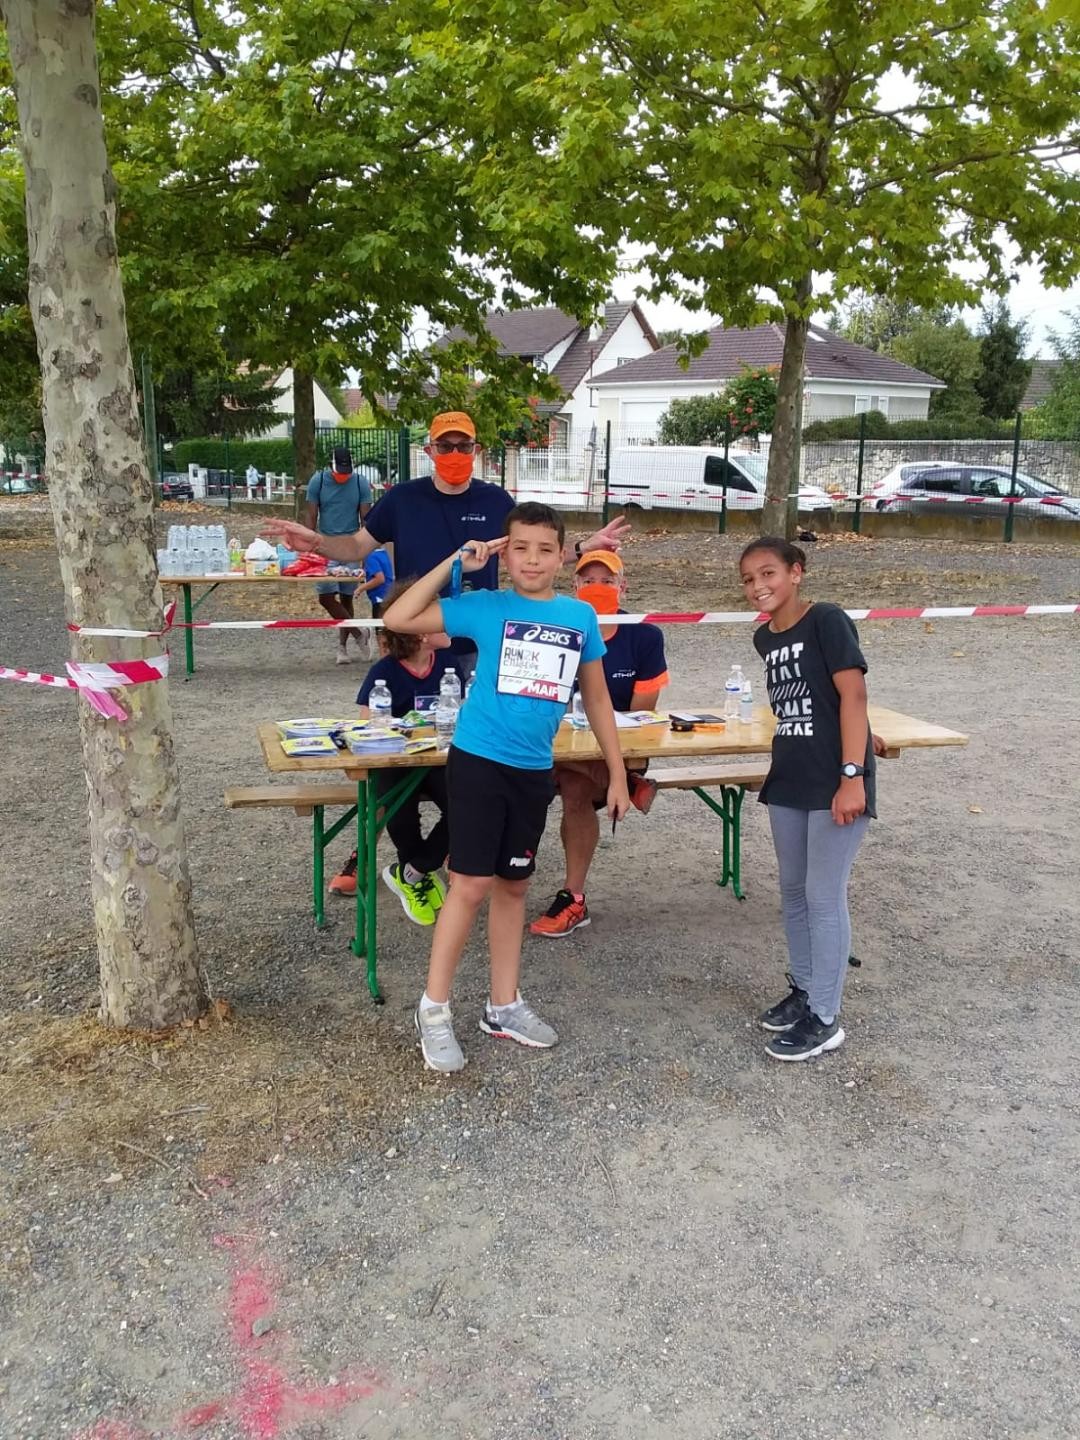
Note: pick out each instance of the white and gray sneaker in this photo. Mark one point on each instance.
(438, 1043)
(519, 1022)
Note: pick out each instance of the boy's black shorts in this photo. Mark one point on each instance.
(497, 815)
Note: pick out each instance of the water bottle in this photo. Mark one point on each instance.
(578, 719)
(468, 687)
(446, 709)
(746, 704)
(732, 693)
(379, 703)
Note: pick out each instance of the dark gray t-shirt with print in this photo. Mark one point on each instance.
(799, 666)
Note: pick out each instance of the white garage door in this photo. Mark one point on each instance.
(641, 417)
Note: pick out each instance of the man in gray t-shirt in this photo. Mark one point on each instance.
(338, 498)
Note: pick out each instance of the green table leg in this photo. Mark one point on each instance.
(372, 813)
(318, 851)
(729, 809)
(189, 633)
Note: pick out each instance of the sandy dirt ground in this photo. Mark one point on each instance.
(280, 1226)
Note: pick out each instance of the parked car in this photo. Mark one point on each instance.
(176, 487)
(924, 488)
(19, 485)
(693, 477)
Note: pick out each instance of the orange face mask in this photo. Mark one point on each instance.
(604, 599)
(338, 478)
(455, 468)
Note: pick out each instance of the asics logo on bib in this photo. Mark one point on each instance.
(553, 637)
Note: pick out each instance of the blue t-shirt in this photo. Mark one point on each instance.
(635, 655)
(339, 505)
(379, 563)
(405, 687)
(529, 656)
(425, 526)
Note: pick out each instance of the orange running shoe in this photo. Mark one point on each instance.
(563, 916)
(345, 883)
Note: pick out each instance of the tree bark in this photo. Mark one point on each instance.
(303, 431)
(780, 511)
(101, 500)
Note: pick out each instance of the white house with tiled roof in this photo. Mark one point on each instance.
(572, 353)
(841, 378)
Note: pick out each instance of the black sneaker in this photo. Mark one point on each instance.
(806, 1038)
(787, 1012)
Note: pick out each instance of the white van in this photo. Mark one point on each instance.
(693, 477)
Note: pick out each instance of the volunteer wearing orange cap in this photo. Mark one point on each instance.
(426, 519)
(635, 669)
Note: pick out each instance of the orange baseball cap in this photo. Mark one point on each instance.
(600, 557)
(452, 420)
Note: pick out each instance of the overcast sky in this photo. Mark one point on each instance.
(1043, 309)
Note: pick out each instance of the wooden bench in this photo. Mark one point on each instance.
(733, 781)
(303, 800)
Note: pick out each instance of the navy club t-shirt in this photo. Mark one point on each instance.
(405, 687)
(806, 750)
(635, 655)
(425, 526)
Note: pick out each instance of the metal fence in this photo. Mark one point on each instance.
(994, 483)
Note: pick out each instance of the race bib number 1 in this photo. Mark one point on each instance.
(540, 661)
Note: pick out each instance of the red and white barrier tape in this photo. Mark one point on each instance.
(658, 617)
(94, 680)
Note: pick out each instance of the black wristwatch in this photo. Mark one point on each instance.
(852, 772)
(577, 550)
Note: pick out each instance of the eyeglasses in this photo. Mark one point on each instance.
(447, 447)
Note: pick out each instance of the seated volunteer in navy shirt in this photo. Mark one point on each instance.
(636, 671)
(412, 669)
(820, 789)
(428, 519)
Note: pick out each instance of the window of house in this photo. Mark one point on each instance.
(871, 402)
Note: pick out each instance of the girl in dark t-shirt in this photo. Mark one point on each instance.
(820, 788)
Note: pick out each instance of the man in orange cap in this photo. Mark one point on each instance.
(635, 669)
(426, 519)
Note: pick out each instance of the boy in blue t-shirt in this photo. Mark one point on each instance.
(532, 645)
(412, 668)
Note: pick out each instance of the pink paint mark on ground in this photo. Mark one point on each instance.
(249, 1300)
(267, 1403)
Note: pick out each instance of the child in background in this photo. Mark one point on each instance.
(532, 643)
(413, 668)
(820, 788)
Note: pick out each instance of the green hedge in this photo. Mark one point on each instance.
(847, 427)
(235, 455)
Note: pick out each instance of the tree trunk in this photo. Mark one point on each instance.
(303, 389)
(780, 510)
(101, 501)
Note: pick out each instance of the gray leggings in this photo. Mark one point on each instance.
(815, 856)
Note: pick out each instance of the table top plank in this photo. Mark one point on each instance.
(234, 578)
(660, 742)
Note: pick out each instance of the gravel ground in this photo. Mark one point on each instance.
(281, 1226)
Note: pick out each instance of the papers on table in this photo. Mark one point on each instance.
(309, 745)
(302, 729)
(630, 719)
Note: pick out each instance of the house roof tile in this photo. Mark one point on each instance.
(828, 357)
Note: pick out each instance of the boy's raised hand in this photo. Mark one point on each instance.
(475, 554)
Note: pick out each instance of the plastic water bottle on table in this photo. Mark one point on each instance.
(733, 693)
(746, 704)
(380, 703)
(446, 709)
